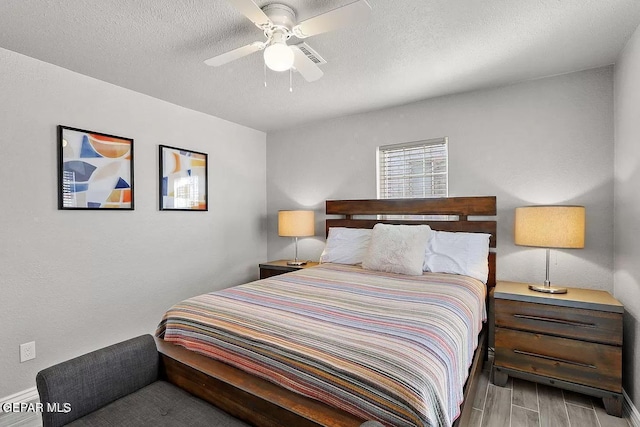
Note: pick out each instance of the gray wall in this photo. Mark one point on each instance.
(74, 281)
(627, 207)
(537, 142)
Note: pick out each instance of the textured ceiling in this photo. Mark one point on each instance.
(408, 51)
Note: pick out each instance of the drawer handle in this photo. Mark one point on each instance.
(555, 359)
(549, 319)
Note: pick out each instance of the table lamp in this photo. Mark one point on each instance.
(296, 224)
(550, 227)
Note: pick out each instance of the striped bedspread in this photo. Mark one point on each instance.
(379, 345)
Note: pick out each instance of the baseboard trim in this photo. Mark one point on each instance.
(629, 411)
(22, 396)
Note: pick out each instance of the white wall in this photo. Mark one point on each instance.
(627, 207)
(537, 142)
(74, 281)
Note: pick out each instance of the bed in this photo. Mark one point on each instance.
(335, 345)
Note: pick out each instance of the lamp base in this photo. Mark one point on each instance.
(297, 263)
(548, 289)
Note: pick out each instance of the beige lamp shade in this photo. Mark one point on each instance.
(296, 223)
(550, 226)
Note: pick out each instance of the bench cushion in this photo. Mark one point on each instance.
(159, 404)
(98, 378)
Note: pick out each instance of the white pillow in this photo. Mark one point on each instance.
(397, 248)
(458, 253)
(346, 245)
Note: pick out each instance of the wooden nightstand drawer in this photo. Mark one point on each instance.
(275, 268)
(577, 323)
(595, 365)
(267, 272)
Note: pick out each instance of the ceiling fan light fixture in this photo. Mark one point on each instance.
(279, 23)
(278, 57)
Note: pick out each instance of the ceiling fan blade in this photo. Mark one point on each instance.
(306, 67)
(251, 10)
(234, 54)
(350, 14)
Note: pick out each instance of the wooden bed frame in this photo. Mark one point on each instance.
(264, 404)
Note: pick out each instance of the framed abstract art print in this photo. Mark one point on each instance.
(183, 180)
(95, 170)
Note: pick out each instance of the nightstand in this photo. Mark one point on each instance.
(273, 268)
(572, 341)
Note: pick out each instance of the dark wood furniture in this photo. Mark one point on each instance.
(249, 398)
(459, 207)
(265, 404)
(274, 268)
(572, 341)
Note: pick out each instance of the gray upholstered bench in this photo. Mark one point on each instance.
(120, 385)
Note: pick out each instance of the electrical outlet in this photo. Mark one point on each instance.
(27, 351)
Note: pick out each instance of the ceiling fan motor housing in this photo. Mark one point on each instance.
(282, 17)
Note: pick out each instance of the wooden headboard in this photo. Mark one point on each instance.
(460, 207)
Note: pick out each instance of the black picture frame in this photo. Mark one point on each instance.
(183, 179)
(95, 170)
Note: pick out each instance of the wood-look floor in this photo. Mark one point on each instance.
(525, 404)
(519, 404)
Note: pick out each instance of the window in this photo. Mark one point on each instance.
(185, 190)
(413, 170)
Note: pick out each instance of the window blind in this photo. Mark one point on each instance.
(413, 170)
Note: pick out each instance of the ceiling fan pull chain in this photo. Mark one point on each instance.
(290, 80)
(265, 74)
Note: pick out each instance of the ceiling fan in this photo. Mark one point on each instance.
(278, 22)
